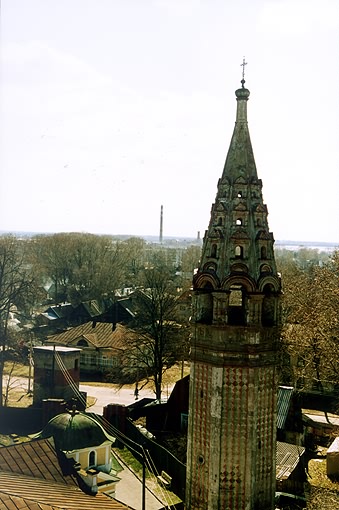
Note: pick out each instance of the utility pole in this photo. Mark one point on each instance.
(143, 495)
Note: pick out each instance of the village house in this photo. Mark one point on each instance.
(102, 345)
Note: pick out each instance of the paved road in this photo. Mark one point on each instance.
(103, 394)
(112, 395)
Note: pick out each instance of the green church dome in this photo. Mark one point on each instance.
(75, 430)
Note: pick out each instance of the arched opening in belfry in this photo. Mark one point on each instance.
(263, 252)
(204, 304)
(236, 306)
(268, 306)
(214, 250)
(238, 221)
(239, 252)
(219, 222)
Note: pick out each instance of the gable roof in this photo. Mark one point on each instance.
(28, 493)
(98, 334)
(288, 457)
(58, 311)
(38, 459)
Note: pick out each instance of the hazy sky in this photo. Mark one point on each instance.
(110, 108)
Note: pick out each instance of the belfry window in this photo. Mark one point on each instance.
(239, 194)
(238, 221)
(219, 222)
(268, 307)
(263, 252)
(236, 306)
(239, 252)
(214, 250)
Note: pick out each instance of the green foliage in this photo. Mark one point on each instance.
(311, 322)
(81, 266)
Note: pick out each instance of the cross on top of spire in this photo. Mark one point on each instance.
(243, 71)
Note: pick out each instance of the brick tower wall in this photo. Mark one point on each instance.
(232, 451)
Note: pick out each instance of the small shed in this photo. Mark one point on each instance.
(290, 468)
(54, 367)
(332, 459)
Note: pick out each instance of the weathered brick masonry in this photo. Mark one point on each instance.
(235, 331)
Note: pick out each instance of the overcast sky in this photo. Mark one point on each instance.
(111, 108)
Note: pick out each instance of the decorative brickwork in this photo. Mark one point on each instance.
(235, 330)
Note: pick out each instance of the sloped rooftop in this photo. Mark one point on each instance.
(99, 334)
(288, 457)
(34, 477)
(28, 493)
(37, 459)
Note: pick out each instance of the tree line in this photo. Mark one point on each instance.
(310, 335)
(82, 267)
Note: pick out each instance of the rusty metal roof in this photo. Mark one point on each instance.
(28, 493)
(37, 459)
(99, 334)
(288, 457)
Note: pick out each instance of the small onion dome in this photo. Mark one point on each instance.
(242, 93)
(75, 430)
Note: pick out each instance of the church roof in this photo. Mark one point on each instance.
(38, 459)
(29, 493)
(34, 476)
(75, 430)
(238, 228)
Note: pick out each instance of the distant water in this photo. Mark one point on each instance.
(172, 240)
(312, 245)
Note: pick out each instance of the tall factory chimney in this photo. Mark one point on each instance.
(161, 223)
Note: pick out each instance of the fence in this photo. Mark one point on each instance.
(162, 458)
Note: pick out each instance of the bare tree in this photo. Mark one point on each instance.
(17, 283)
(311, 330)
(161, 337)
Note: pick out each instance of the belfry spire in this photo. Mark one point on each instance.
(235, 331)
(238, 231)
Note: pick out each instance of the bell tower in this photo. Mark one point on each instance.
(235, 332)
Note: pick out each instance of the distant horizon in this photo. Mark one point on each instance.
(99, 132)
(29, 233)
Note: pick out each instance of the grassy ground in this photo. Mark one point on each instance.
(166, 496)
(19, 398)
(318, 476)
(16, 369)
